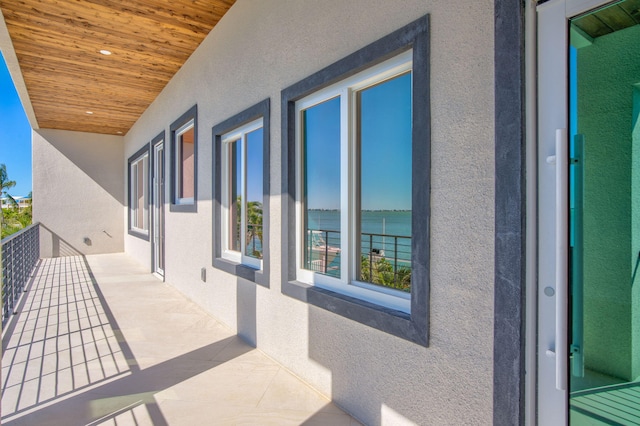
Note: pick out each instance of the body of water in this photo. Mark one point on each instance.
(386, 222)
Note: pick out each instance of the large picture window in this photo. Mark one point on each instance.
(354, 185)
(356, 177)
(184, 144)
(138, 174)
(241, 189)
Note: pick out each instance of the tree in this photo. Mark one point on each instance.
(12, 219)
(254, 224)
(6, 184)
(381, 272)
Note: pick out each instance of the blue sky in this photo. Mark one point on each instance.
(15, 135)
(385, 138)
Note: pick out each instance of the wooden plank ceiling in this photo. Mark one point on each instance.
(72, 86)
(610, 19)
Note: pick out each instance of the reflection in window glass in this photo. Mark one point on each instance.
(254, 167)
(245, 188)
(384, 125)
(321, 140)
(186, 142)
(138, 194)
(235, 199)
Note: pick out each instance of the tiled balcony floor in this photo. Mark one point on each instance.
(102, 341)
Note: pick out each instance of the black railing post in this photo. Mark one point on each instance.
(371, 257)
(326, 250)
(395, 260)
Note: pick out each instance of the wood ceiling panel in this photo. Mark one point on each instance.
(57, 43)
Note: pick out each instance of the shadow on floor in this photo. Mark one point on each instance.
(65, 360)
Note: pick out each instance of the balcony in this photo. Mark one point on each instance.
(100, 340)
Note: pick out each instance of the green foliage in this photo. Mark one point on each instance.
(12, 218)
(254, 223)
(381, 272)
(15, 219)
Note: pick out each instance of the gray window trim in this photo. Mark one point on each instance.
(510, 211)
(415, 326)
(259, 110)
(135, 157)
(192, 114)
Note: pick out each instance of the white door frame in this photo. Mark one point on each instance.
(158, 195)
(550, 395)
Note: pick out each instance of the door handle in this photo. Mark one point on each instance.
(560, 352)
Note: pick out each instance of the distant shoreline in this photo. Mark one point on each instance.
(335, 210)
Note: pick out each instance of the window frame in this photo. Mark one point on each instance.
(413, 325)
(237, 135)
(141, 155)
(183, 124)
(220, 132)
(347, 91)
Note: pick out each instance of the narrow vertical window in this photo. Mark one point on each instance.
(242, 201)
(139, 193)
(241, 194)
(185, 166)
(184, 162)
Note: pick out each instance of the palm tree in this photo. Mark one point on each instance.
(5, 184)
(254, 224)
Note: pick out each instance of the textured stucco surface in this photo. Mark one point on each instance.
(77, 192)
(260, 48)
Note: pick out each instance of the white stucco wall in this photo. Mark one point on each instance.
(77, 192)
(262, 47)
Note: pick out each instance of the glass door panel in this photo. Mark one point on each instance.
(604, 301)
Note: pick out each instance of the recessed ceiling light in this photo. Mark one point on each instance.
(89, 112)
(105, 52)
(119, 133)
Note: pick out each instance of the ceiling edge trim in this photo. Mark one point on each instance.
(9, 54)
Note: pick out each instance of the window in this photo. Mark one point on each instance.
(139, 193)
(184, 162)
(241, 160)
(354, 185)
(356, 171)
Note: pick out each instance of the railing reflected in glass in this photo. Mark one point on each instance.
(385, 259)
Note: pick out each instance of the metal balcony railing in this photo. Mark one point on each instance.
(385, 258)
(20, 254)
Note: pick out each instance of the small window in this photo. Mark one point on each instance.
(139, 194)
(184, 162)
(242, 183)
(241, 187)
(356, 179)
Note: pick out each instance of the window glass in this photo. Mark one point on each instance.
(384, 136)
(138, 194)
(186, 185)
(243, 202)
(321, 182)
(254, 173)
(235, 203)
